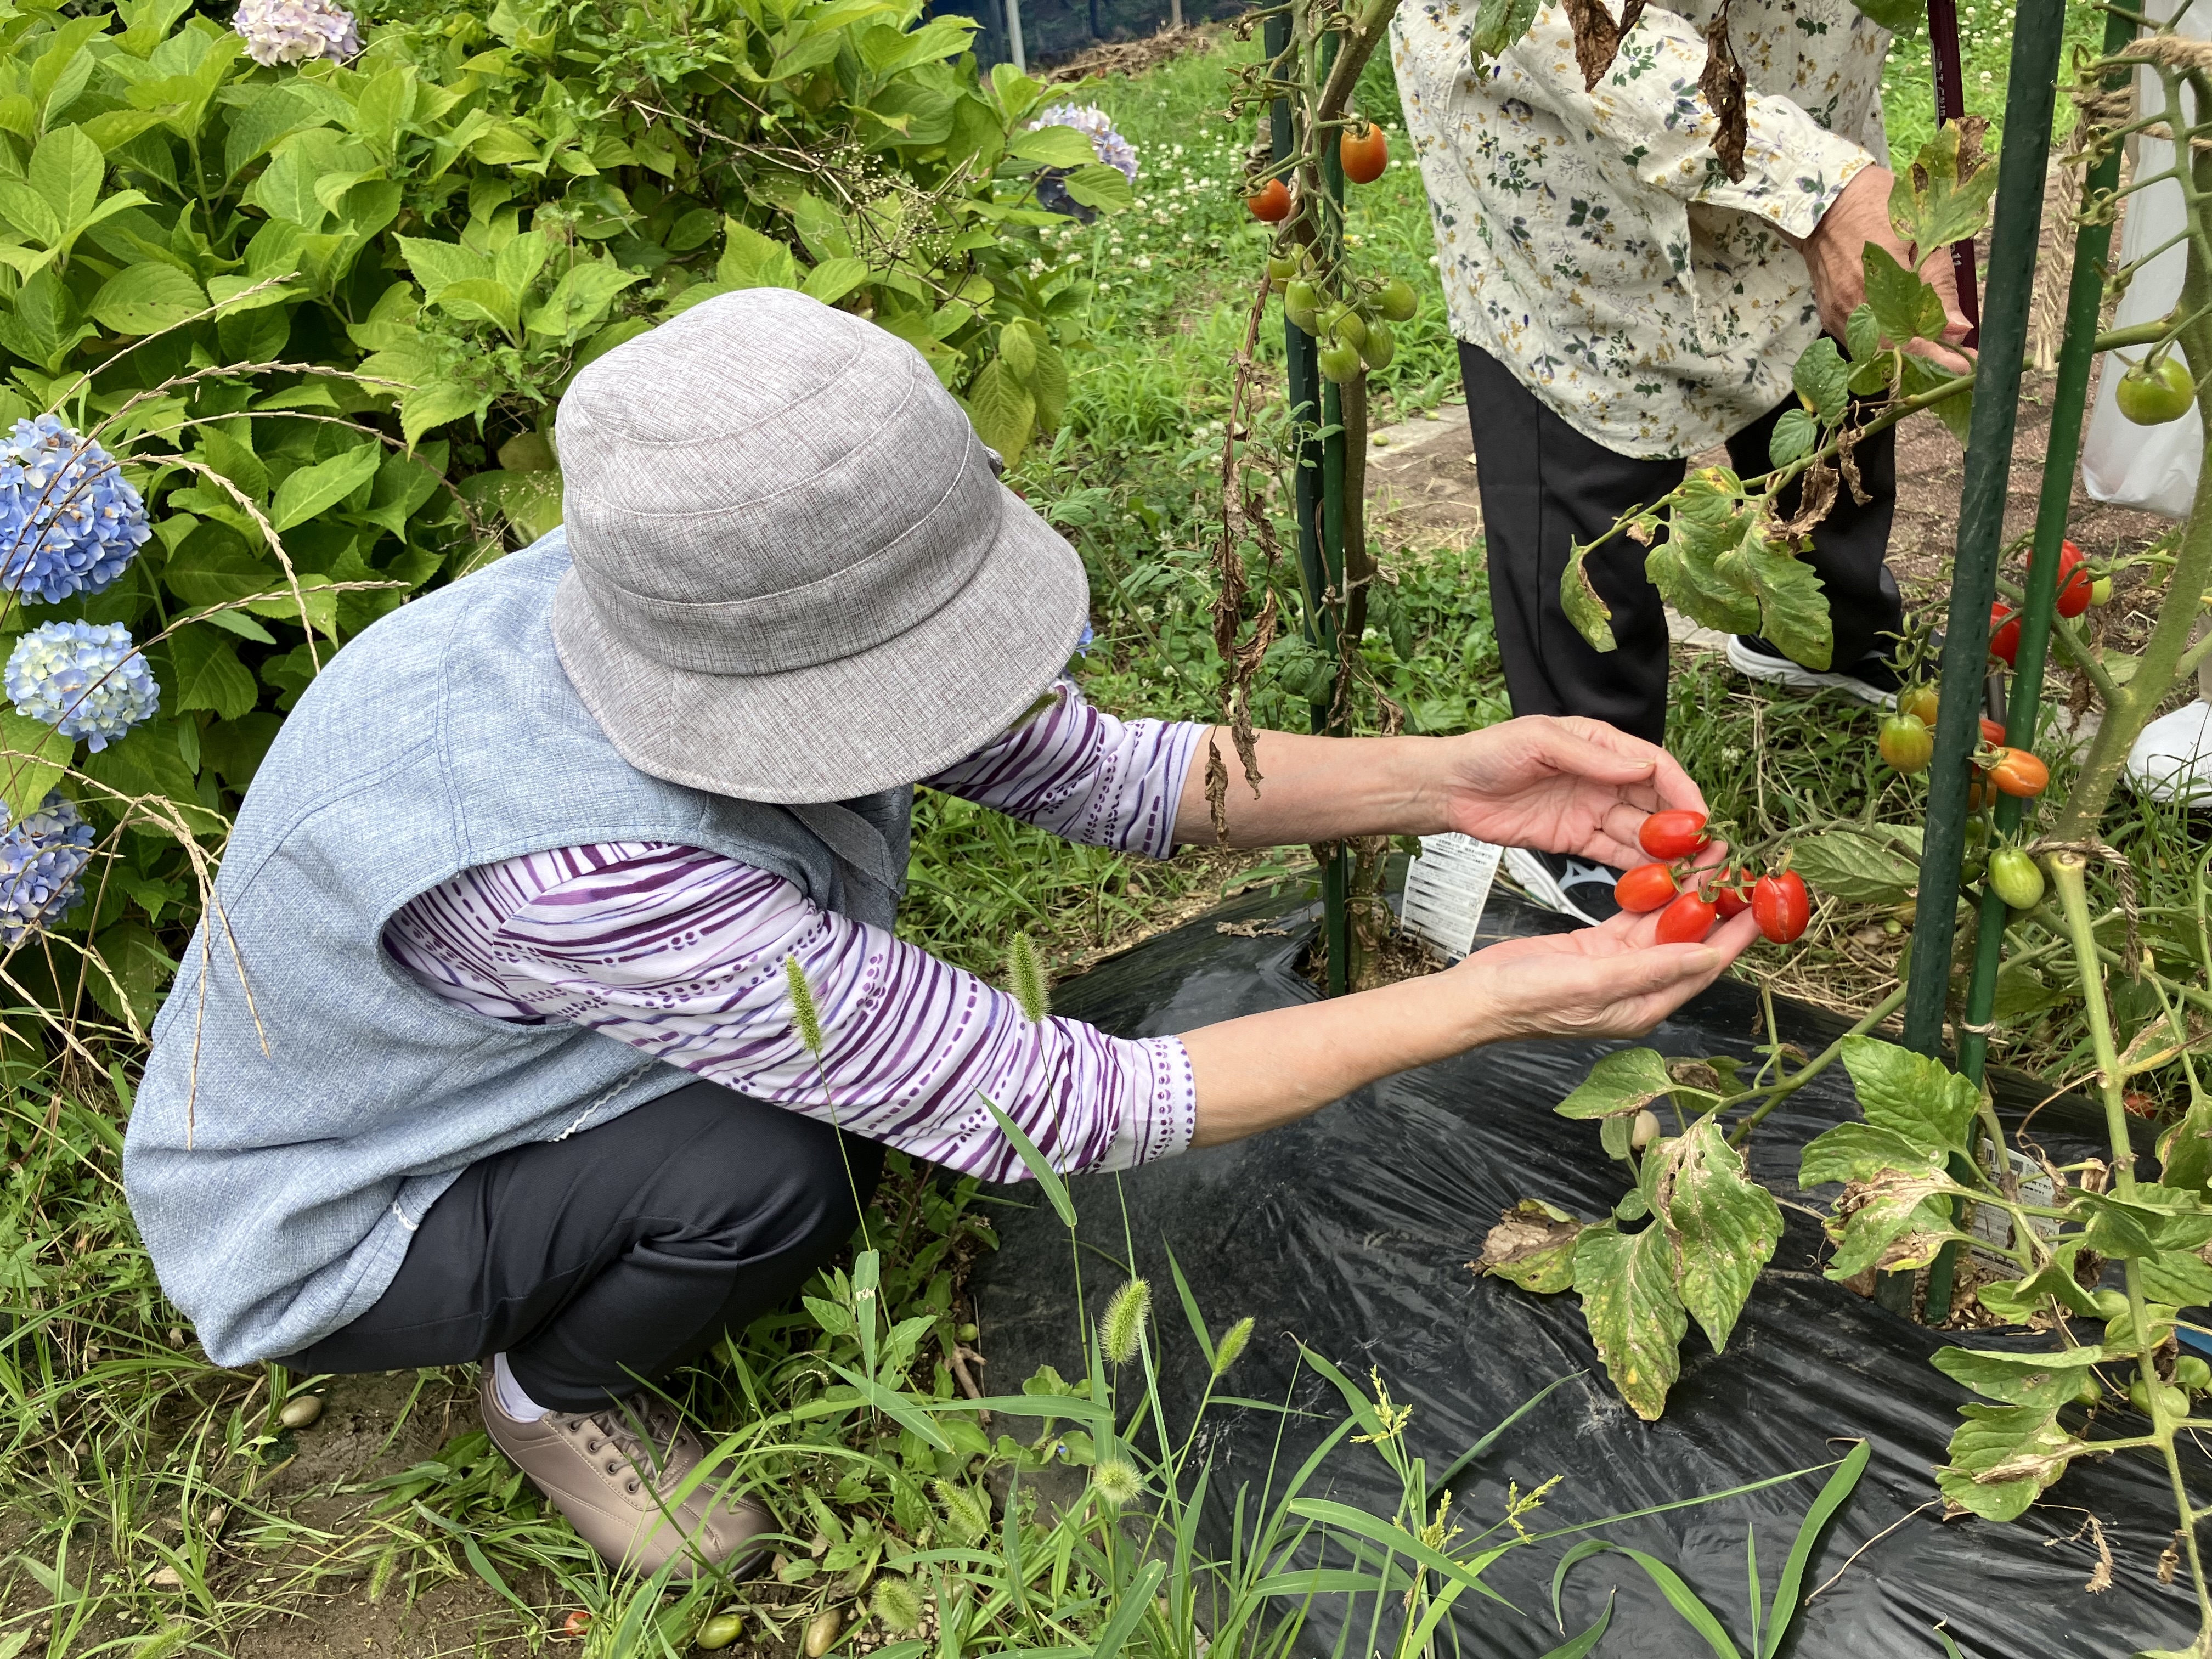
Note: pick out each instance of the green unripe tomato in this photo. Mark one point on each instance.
(1281, 267)
(2091, 1393)
(2153, 396)
(2109, 1305)
(967, 1333)
(1301, 304)
(1338, 362)
(2015, 878)
(1380, 345)
(1973, 867)
(1397, 300)
(2192, 1372)
(2100, 591)
(719, 1632)
(2172, 1400)
(1341, 322)
(1907, 743)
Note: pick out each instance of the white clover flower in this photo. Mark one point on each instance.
(1110, 146)
(292, 31)
(85, 679)
(41, 860)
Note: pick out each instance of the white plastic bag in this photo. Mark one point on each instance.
(2152, 467)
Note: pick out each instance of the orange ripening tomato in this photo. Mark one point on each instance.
(1647, 887)
(1979, 791)
(1674, 835)
(1782, 906)
(1271, 202)
(2016, 772)
(2075, 586)
(1687, 920)
(2005, 634)
(1992, 730)
(1365, 152)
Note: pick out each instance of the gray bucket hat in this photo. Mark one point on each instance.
(796, 576)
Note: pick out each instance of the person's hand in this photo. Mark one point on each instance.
(1612, 981)
(1571, 786)
(1835, 255)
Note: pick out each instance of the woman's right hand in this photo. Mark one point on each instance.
(1612, 981)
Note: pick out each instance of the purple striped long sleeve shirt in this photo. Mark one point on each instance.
(680, 952)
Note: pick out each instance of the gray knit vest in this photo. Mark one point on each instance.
(280, 1150)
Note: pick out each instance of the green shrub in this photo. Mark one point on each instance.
(323, 312)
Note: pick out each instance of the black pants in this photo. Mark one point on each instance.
(1544, 485)
(618, 1254)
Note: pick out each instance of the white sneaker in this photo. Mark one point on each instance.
(2173, 758)
(1573, 887)
(1872, 680)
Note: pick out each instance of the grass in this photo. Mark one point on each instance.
(151, 1504)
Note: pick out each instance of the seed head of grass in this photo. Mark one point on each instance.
(1121, 1329)
(896, 1603)
(805, 1018)
(1117, 1483)
(1232, 1344)
(1025, 979)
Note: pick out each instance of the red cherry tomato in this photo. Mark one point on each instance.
(576, 1624)
(1674, 835)
(1729, 898)
(1992, 730)
(1271, 202)
(2076, 585)
(2005, 634)
(1365, 153)
(1782, 906)
(1687, 920)
(2016, 772)
(1647, 887)
(1979, 794)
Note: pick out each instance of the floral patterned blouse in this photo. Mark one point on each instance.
(1591, 241)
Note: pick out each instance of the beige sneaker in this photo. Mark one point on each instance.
(613, 1486)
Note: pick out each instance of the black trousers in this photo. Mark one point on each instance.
(1545, 485)
(619, 1254)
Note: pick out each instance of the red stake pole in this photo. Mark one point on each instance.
(1950, 104)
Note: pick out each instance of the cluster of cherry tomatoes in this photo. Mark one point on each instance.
(1354, 331)
(1908, 743)
(2079, 587)
(1778, 902)
(1362, 151)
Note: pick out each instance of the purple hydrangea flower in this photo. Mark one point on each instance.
(1110, 146)
(69, 522)
(84, 679)
(41, 861)
(291, 31)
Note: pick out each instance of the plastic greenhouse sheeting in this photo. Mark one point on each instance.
(1352, 1232)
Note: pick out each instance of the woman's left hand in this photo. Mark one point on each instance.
(1572, 785)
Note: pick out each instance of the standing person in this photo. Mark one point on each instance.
(1621, 304)
(496, 1052)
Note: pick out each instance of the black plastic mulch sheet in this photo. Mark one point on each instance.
(1351, 1232)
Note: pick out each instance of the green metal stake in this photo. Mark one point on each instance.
(2085, 297)
(2038, 34)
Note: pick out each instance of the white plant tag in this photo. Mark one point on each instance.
(1995, 1225)
(1447, 887)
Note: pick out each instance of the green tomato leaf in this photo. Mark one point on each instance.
(1944, 196)
(2181, 1278)
(2044, 1381)
(315, 490)
(1956, 411)
(1499, 25)
(2184, 1151)
(2022, 1299)
(1793, 607)
(1532, 1246)
(1900, 1219)
(2002, 1457)
(1859, 1151)
(1910, 1095)
(1863, 335)
(1821, 379)
(1622, 1084)
(1591, 616)
(1880, 864)
(1905, 308)
(1626, 1284)
(1796, 435)
(1725, 1226)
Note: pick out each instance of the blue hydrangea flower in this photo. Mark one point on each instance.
(290, 31)
(69, 522)
(41, 860)
(1083, 645)
(84, 679)
(1110, 146)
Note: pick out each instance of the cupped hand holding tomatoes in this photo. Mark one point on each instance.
(1560, 785)
(1617, 980)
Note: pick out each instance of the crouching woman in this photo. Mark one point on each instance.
(486, 1049)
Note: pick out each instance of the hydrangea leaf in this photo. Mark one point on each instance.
(1724, 1225)
(1052, 147)
(315, 490)
(35, 758)
(1626, 1284)
(1101, 188)
(1002, 409)
(208, 675)
(2002, 1456)
(581, 297)
(1623, 1082)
